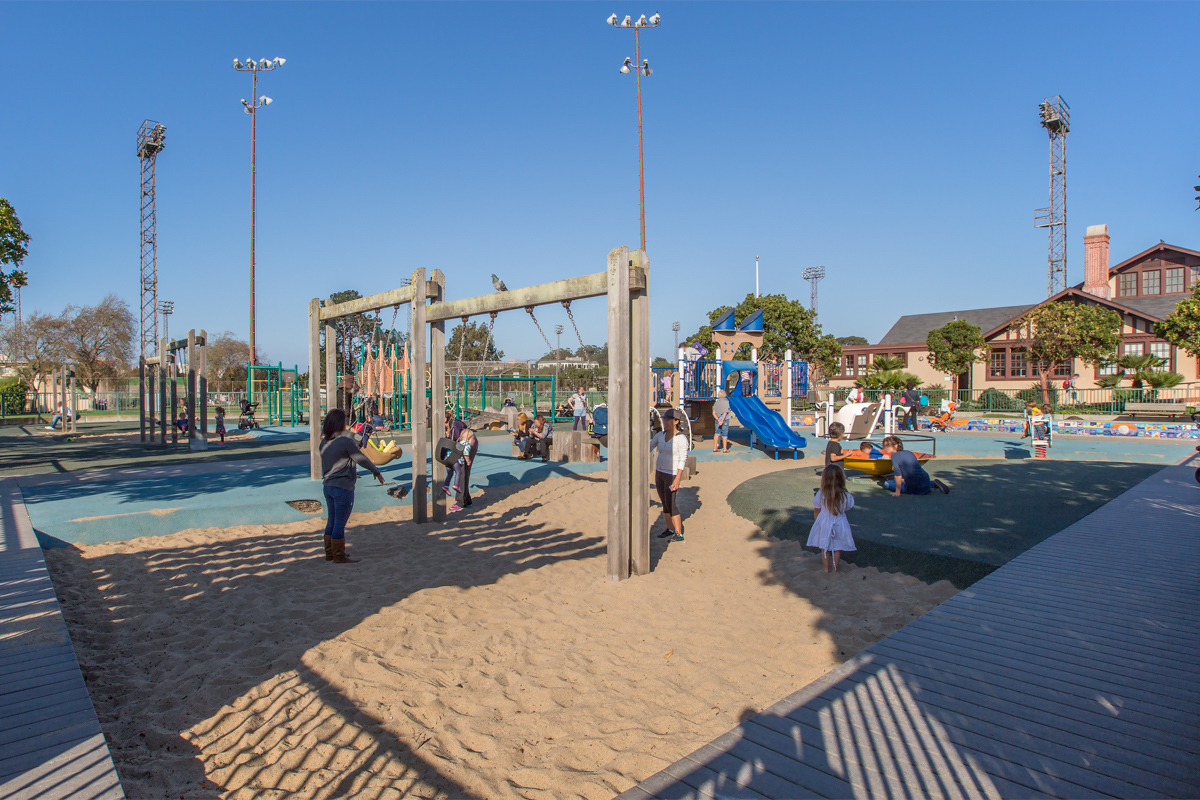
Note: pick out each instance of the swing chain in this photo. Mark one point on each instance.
(582, 347)
(549, 347)
(462, 342)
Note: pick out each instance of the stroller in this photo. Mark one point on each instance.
(246, 420)
(941, 423)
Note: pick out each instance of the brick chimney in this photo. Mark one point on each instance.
(1095, 261)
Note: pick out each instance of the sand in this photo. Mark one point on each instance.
(487, 657)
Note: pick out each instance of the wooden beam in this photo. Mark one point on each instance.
(618, 414)
(202, 363)
(420, 408)
(640, 379)
(363, 304)
(189, 403)
(437, 375)
(314, 389)
(539, 295)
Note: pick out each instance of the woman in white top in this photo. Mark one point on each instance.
(831, 529)
(672, 447)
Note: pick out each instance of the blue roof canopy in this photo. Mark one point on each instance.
(753, 323)
(725, 324)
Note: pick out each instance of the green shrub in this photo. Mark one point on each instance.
(14, 391)
(992, 399)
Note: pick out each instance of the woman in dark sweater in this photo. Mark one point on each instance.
(338, 456)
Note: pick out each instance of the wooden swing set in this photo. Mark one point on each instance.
(626, 285)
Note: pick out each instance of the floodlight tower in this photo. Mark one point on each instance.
(813, 275)
(251, 108)
(151, 140)
(640, 67)
(1056, 119)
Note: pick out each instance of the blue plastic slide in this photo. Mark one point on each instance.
(764, 424)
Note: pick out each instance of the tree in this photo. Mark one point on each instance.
(1142, 370)
(826, 357)
(882, 363)
(954, 347)
(661, 362)
(227, 356)
(35, 346)
(1182, 326)
(1064, 331)
(594, 352)
(850, 341)
(99, 339)
(555, 355)
(889, 380)
(13, 241)
(475, 341)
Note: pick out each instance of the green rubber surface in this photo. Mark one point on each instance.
(996, 510)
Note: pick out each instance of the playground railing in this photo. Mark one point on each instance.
(799, 378)
(701, 379)
(1062, 401)
(773, 380)
(662, 393)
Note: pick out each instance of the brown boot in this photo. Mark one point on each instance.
(339, 553)
(329, 548)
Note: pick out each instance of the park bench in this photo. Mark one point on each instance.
(1165, 408)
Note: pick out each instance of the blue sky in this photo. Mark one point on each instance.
(896, 144)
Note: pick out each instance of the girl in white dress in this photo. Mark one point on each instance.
(831, 529)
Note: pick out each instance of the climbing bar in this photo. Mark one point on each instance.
(571, 289)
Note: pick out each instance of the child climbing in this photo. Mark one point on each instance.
(221, 422)
(339, 454)
(831, 530)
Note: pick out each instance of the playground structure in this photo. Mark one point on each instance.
(626, 285)
(163, 370)
(283, 399)
(762, 402)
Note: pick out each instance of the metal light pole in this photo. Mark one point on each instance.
(675, 327)
(166, 308)
(643, 68)
(254, 67)
(756, 276)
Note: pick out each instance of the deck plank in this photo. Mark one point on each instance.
(1065, 673)
(51, 744)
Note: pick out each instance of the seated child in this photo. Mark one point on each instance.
(908, 476)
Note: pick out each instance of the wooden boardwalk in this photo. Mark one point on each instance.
(1071, 672)
(51, 745)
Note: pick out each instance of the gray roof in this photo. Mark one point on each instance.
(916, 327)
(1158, 307)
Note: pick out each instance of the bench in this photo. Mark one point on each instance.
(1169, 409)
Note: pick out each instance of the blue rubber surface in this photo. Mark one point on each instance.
(766, 425)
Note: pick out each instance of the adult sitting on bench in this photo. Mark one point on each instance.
(541, 433)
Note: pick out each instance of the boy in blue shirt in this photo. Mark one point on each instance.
(909, 476)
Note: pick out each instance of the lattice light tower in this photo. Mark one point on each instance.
(151, 140)
(1056, 119)
(813, 275)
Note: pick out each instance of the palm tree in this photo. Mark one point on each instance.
(886, 364)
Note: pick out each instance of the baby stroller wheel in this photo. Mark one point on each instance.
(243, 423)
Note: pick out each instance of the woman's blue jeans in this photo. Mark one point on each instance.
(339, 503)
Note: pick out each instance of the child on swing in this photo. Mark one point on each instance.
(831, 530)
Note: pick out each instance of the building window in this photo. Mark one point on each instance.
(1134, 349)
(850, 366)
(1174, 280)
(1150, 281)
(999, 359)
(1016, 364)
(862, 362)
(902, 356)
(1063, 369)
(1195, 277)
(1128, 285)
(1162, 350)
(1111, 369)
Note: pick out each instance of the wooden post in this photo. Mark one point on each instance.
(314, 389)
(141, 397)
(162, 391)
(174, 372)
(202, 365)
(640, 379)
(437, 360)
(618, 414)
(331, 355)
(190, 399)
(420, 408)
(74, 401)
